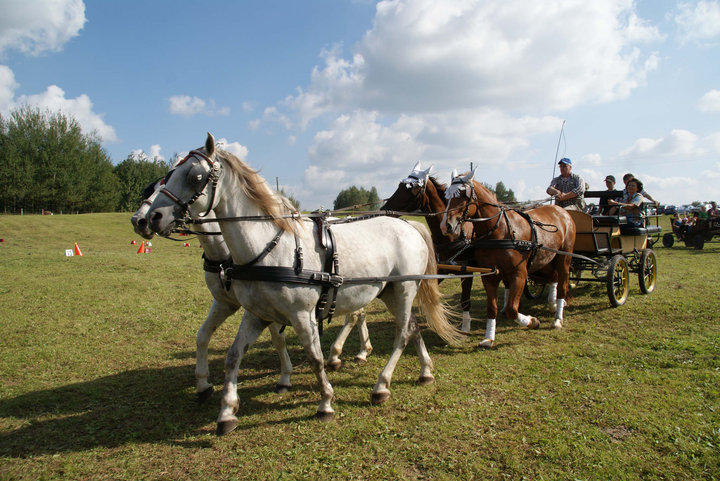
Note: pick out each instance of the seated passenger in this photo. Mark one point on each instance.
(630, 204)
(568, 188)
(648, 197)
(714, 211)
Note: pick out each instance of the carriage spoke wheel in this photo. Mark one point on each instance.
(647, 275)
(668, 240)
(533, 289)
(618, 281)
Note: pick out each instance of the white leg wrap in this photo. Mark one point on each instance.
(560, 309)
(523, 320)
(490, 329)
(465, 321)
(552, 294)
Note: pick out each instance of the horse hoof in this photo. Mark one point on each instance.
(425, 380)
(380, 397)
(486, 344)
(281, 388)
(334, 365)
(360, 360)
(225, 427)
(534, 323)
(324, 417)
(557, 324)
(204, 395)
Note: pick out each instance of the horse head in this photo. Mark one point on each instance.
(139, 219)
(190, 190)
(460, 195)
(409, 194)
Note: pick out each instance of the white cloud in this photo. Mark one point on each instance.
(679, 143)
(233, 147)
(155, 152)
(699, 22)
(7, 88)
(710, 102)
(187, 106)
(425, 56)
(36, 26)
(81, 108)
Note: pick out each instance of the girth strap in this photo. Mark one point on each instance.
(222, 268)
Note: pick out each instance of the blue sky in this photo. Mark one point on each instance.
(325, 94)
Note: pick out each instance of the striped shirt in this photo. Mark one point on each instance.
(572, 183)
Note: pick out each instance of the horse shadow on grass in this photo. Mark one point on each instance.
(158, 405)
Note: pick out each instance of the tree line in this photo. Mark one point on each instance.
(47, 163)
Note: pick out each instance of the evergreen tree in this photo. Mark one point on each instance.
(354, 196)
(46, 162)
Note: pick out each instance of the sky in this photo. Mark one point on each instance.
(321, 95)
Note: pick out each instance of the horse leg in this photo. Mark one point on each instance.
(426, 365)
(334, 362)
(307, 332)
(490, 283)
(552, 296)
(248, 332)
(562, 268)
(511, 311)
(278, 342)
(219, 312)
(365, 346)
(400, 304)
(466, 285)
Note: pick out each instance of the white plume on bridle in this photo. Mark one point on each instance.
(459, 184)
(417, 177)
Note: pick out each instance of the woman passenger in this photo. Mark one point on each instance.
(630, 204)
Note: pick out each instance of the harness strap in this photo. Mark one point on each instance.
(221, 268)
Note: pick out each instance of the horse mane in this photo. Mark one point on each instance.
(257, 189)
(480, 187)
(440, 187)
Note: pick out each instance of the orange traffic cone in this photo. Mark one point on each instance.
(77, 250)
(141, 250)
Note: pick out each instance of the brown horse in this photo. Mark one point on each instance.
(423, 193)
(516, 243)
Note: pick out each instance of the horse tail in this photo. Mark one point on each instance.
(435, 311)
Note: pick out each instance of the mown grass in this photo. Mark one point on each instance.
(97, 356)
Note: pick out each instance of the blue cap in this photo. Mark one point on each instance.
(565, 160)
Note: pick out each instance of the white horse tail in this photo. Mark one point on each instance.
(434, 309)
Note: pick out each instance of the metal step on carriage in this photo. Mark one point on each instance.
(607, 250)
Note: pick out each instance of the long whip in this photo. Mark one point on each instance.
(558, 147)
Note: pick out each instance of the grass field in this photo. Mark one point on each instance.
(97, 358)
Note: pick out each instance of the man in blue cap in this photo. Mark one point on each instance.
(568, 188)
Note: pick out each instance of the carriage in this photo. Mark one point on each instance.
(607, 249)
(696, 235)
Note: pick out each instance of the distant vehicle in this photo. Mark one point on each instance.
(669, 210)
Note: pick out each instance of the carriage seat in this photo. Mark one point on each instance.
(608, 220)
(633, 230)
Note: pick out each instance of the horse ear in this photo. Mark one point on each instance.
(417, 167)
(469, 176)
(453, 175)
(427, 171)
(210, 144)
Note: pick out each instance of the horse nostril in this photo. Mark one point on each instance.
(142, 223)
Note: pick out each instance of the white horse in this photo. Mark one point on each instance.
(225, 303)
(380, 256)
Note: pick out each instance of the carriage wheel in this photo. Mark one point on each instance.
(647, 275)
(533, 289)
(618, 281)
(668, 240)
(698, 242)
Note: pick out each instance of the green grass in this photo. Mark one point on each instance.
(97, 357)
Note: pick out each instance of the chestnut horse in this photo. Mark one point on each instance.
(422, 192)
(516, 243)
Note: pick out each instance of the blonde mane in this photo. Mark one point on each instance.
(257, 189)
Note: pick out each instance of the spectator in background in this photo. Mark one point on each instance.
(714, 211)
(568, 188)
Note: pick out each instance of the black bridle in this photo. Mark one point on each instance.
(203, 179)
